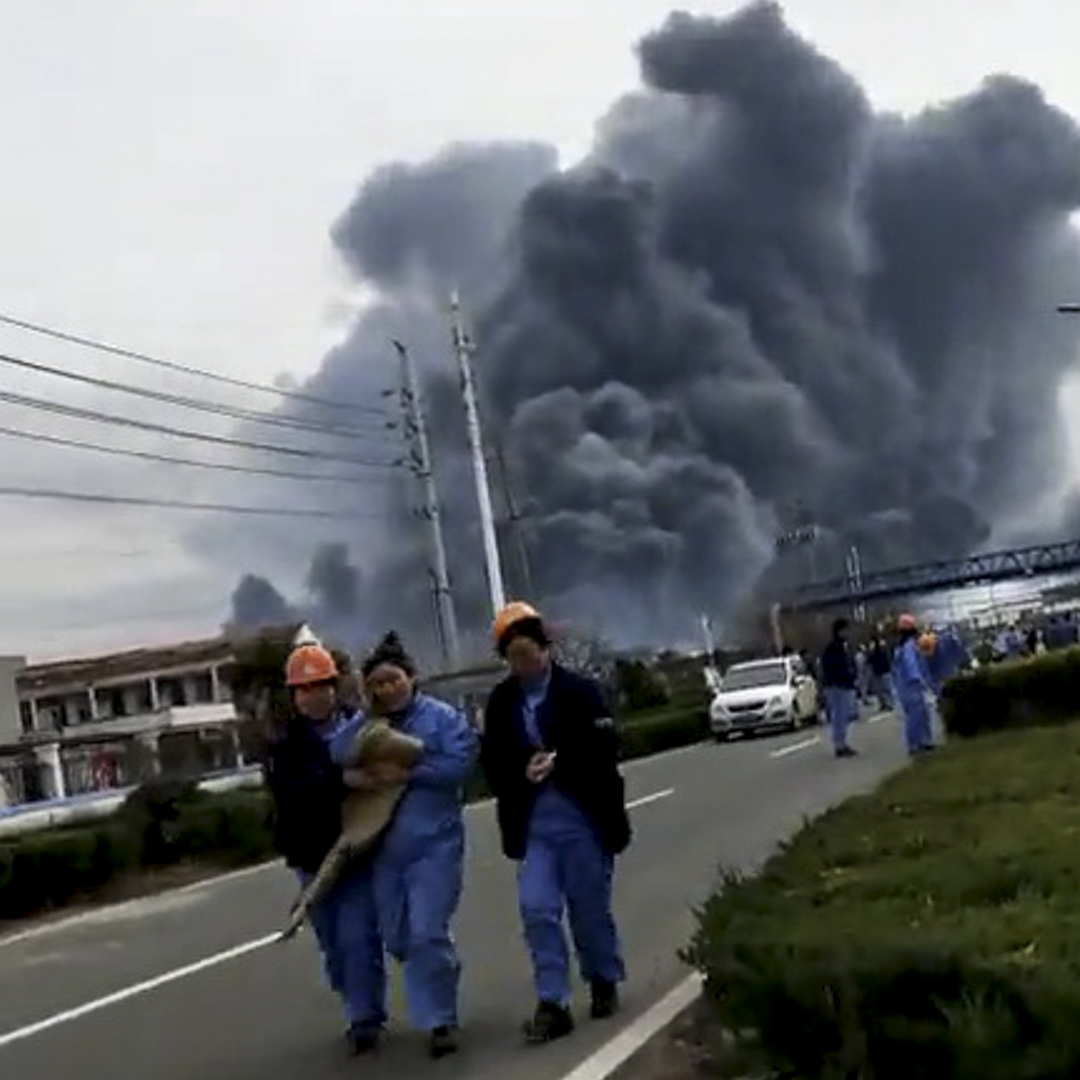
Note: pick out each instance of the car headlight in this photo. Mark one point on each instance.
(779, 704)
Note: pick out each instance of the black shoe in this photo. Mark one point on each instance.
(846, 751)
(549, 1022)
(605, 1000)
(363, 1038)
(442, 1042)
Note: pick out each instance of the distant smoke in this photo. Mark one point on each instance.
(333, 601)
(257, 604)
(754, 291)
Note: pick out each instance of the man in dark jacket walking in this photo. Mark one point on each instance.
(838, 676)
(881, 680)
(550, 753)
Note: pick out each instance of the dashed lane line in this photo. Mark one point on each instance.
(158, 981)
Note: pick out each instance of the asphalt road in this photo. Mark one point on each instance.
(186, 986)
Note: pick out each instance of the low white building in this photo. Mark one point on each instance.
(77, 726)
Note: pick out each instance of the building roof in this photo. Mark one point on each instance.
(132, 663)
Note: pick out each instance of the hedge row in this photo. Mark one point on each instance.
(931, 929)
(1017, 693)
(171, 823)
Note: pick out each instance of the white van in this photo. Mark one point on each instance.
(764, 695)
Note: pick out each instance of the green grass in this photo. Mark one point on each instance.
(931, 928)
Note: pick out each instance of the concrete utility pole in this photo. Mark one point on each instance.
(463, 350)
(416, 435)
(515, 517)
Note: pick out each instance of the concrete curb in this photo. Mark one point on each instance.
(613, 1055)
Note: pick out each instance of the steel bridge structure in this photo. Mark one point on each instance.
(1039, 560)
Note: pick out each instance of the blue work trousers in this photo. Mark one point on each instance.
(918, 730)
(347, 930)
(566, 870)
(417, 897)
(882, 688)
(842, 708)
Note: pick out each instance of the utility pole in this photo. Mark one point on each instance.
(463, 350)
(514, 515)
(416, 435)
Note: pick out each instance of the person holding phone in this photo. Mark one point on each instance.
(550, 754)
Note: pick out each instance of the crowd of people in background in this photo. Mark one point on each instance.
(906, 667)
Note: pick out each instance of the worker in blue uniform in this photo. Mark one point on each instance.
(419, 864)
(550, 754)
(307, 788)
(912, 686)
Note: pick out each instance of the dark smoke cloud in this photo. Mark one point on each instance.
(256, 604)
(333, 600)
(754, 290)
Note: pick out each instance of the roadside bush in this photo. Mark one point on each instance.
(51, 869)
(168, 822)
(152, 812)
(930, 929)
(639, 686)
(653, 733)
(1019, 693)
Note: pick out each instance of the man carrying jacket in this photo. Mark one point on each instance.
(550, 754)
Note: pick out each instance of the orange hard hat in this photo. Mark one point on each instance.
(928, 643)
(515, 612)
(309, 664)
(907, 622)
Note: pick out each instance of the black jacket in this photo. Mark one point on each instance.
(838, 665)
(307, 789)
(880, 661)
(578, 725)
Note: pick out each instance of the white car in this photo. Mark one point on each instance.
(764, 695)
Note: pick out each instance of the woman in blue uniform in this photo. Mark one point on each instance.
(550, 754)
(419, 865)
(307, 789)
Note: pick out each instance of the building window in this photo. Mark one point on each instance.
(26, 717)
(202, 685)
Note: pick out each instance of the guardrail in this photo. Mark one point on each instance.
(33, 817)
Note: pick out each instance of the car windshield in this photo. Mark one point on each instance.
(747, 678)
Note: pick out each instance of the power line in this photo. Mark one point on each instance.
(145, 455)
(79, 413)
(170, 365)
(199, 404)
(173, 504)
(40, 554)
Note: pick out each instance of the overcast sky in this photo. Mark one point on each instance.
(170, 170)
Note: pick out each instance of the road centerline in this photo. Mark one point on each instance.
(794, 748)
(147, 986)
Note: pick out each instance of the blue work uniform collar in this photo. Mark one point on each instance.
(399, 716)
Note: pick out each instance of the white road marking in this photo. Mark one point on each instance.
(121, 910)
(646, 799)
(134, 991)
(794, 748)
(612, 1055)
(217, 959)
(880, 718)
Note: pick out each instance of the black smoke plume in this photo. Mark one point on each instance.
(754, 292)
